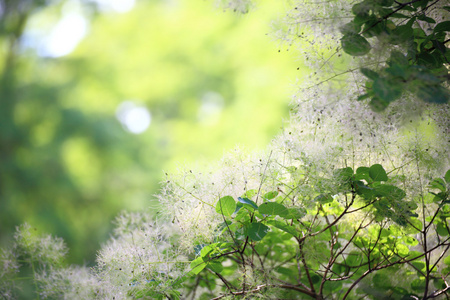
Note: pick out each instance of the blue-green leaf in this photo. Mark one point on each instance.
(248, 202)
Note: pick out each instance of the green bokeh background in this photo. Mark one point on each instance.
(67, 165)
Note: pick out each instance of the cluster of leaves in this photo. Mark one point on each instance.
(347, 245)
(419, 56)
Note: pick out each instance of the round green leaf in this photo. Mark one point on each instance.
(377, 173)
(273, 208)
(355, 45)
(226, 206)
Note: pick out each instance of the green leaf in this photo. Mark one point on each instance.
(386, 90)
(323, 198)
(351, 28)
(447, 176)
(426, 19)
(273, 208)
(344, 174)
(377, 173)
(257, 231)
(248, 203)
(362, 173)
(384, 2)
(433, 94)
(369, 73)
(197, 265)
(439, 184)
(355, 45)
(401, 34)
(419, 265)
(354, 259)
(390, 192)
(296, 213)
(397, 58)
(270, 195)
(378, 104)
(226, 206)
(215, 266)
(418, 284)
(399, 15)
(441, 229)
(361, 8)
(447, 260)
(282, 226)
(362, 97)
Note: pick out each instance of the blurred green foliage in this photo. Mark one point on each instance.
(209, 79)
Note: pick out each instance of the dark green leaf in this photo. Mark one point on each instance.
(384, 2)
(399, 15)
(397, 58)
(351, 28)
(361, 8)
(426, 19)
(355, 45)
(443, 26)
(257, 231)
(433, 94)
(273, 208)
(226, 206)
(447, 8)
(390, 192)
(409, 8)
(369, 73)
(418, 284)
(377, 173)
(362, 97)
(378, 104)
(386, 90)
(422, 3)
(401, 34)
(447, 176)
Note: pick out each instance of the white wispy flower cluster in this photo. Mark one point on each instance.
(138, 254)
(139, 258)
(190, 197)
